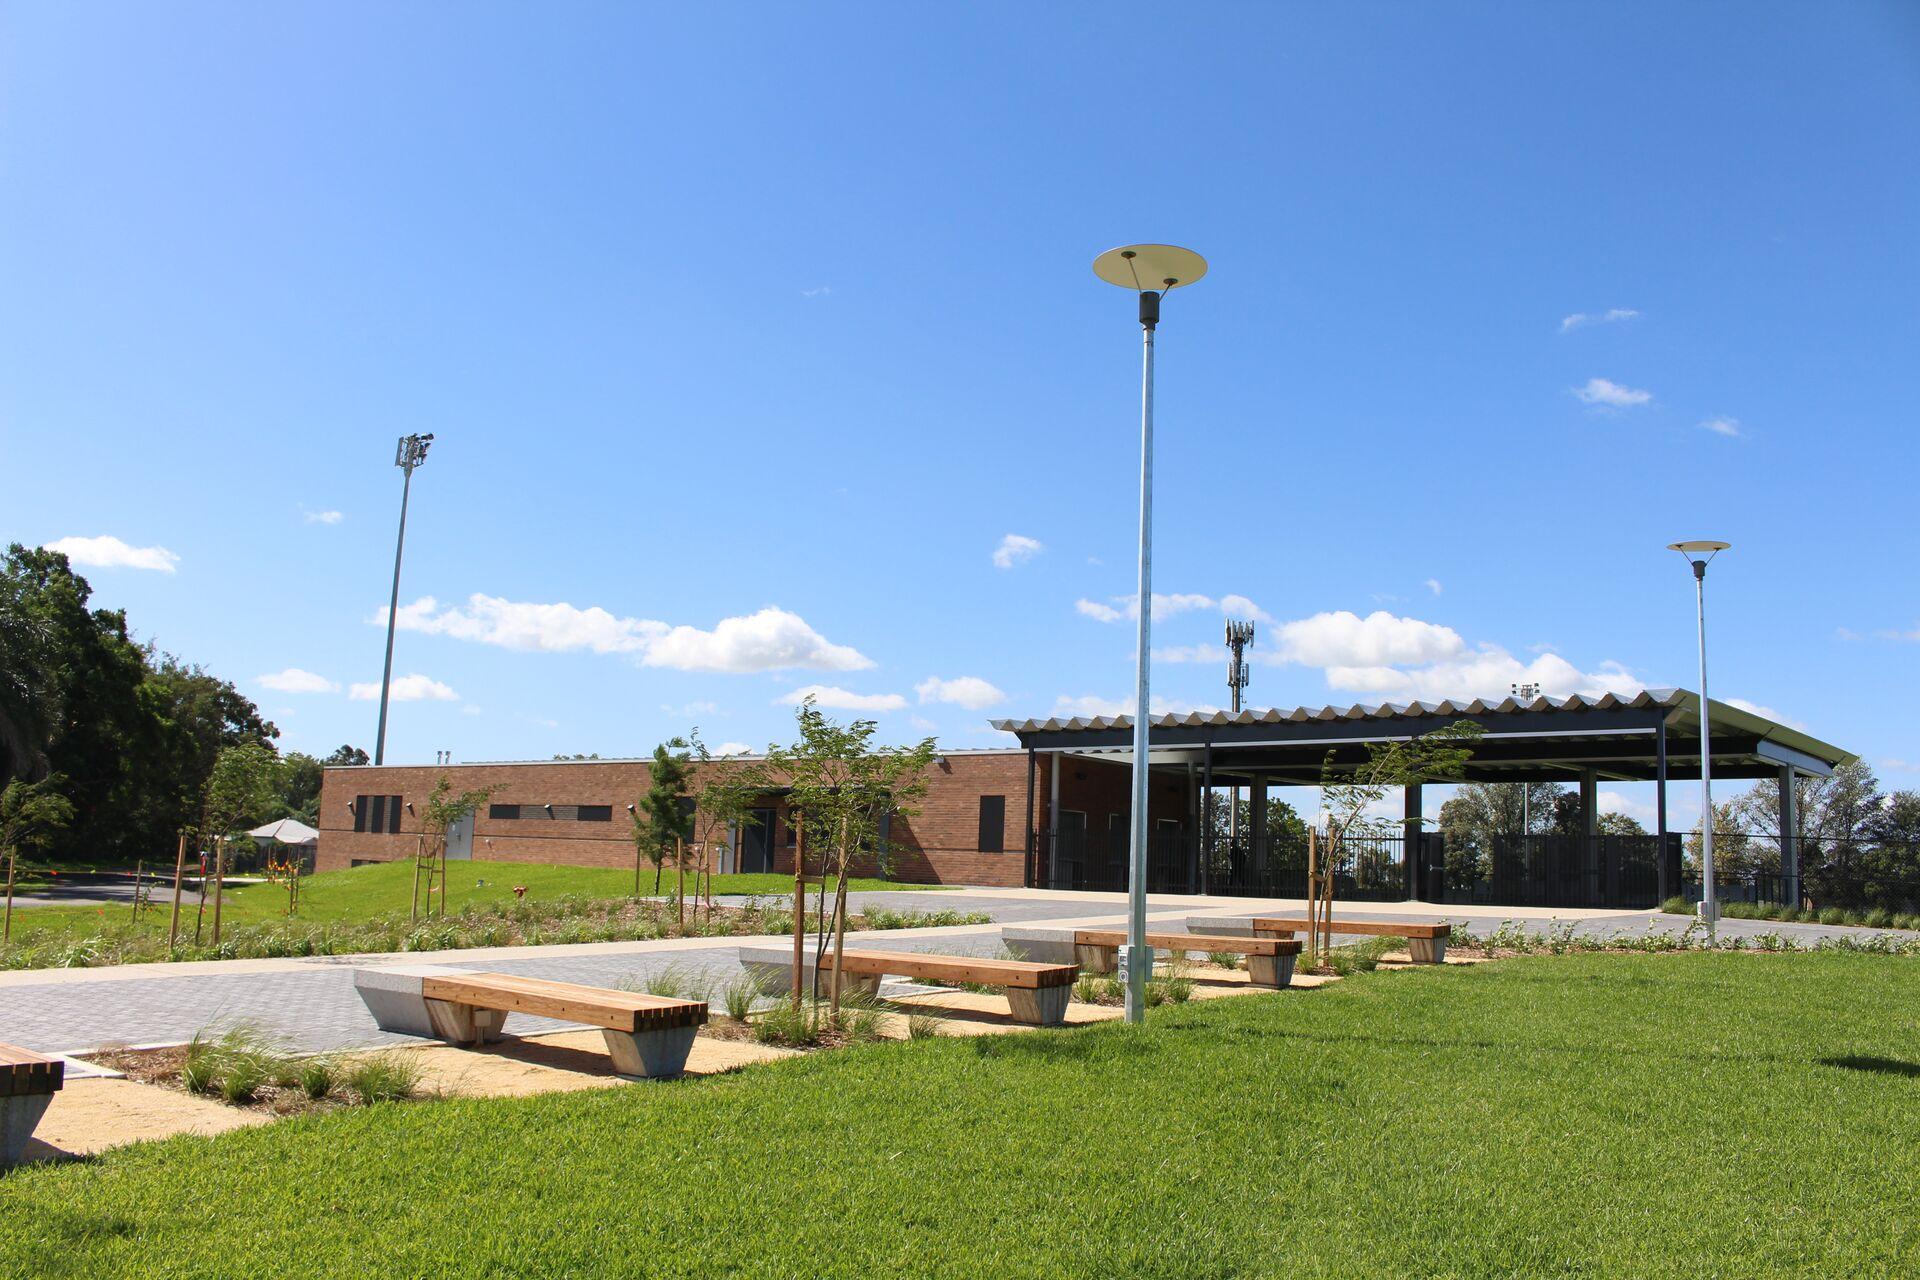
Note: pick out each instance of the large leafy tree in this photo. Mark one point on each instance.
(133, 735)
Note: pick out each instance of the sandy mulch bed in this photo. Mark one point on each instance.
(90, 1115)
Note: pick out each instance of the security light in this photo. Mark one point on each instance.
(1700, 554)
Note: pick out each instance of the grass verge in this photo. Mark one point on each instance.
(1702, 1114)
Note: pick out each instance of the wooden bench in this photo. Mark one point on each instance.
(1426, 942)
(28, 1081)
(1269, 960)
(646, 1035)
(1037, 993)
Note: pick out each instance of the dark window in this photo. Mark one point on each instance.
(563, 812)
(377, 819)
(393, 815)
(595, 813)
(360, 812)
(503, 812)
(993, 824)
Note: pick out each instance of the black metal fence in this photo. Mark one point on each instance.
(1629, 872)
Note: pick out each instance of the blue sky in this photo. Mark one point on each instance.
(759, 330)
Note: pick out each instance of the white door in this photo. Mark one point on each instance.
(460, 839)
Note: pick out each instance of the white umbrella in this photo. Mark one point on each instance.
(286, 831)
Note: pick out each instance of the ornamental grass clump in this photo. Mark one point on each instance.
(383, 1077)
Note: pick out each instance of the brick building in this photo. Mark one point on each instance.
(972, 825)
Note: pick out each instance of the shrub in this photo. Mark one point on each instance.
(383, 1077)
(677, 980)
(1878, 918)
(788, 1026)
(315, 1077)
(197, 1072)
(922, 1026)
(1676, 906)
(1832, 915)
(739, 996)
(1224, 959)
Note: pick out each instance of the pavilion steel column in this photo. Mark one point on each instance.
(1206, 818)
(1415, 808)
(1257, 821)
(1053, 812)
(1031, 759)
(1789, 837)
(1590, 833)
(1668, 885)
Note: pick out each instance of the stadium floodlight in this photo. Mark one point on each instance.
(408, 454)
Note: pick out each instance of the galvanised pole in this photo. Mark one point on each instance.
(1139, 957)
(1709, 903)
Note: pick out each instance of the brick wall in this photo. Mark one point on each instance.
(941, 845)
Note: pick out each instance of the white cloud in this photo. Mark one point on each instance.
(1892, 634)
(1613, 802)
(1722, 426)
(1093, 705)
(1015, 549)
(1845, 633)
(1900, 766)
(733, 749)
(1165, 605)
(1433, 585)
(1191, 653)
(1488, 672)
(970, 692)
(294, 680)
(1582, 318)
(409, 688)
(322, 517)
(108, 552)
(1241, 607)
(821, 292)
(1611, 395)
(1754, 708)
(1345, 639)
(691, 710)
(836, 698)
(770, 640)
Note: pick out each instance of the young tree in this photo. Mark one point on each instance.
(729, 791)
(848, 788)
(1349, 797)
(444, 809)
(661, 818)
(1480, 817)
(240, 788)
(29, 813)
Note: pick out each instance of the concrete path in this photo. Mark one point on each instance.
(312, 1004)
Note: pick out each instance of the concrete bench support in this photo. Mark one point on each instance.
(1041, 1007)
(18, 1116)
(392, 994)
(649, 1054)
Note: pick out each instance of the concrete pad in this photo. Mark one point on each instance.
(92, 1115)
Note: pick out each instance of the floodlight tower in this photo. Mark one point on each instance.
(1700, 554)
(410, 453)
(1150, 270)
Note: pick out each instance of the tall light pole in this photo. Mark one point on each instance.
(411, 452)
(1150, 270)
(1700, 554)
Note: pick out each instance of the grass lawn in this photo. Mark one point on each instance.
(1635, 1115)
(364, 893)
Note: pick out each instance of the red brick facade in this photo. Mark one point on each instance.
(939, 845)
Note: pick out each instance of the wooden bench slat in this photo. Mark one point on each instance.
(1023, 974)
(1376, 928)
(629, 1011)
(1190, 942)
(24, 1072)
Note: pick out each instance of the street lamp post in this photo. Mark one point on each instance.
(1150, 270)
(1700, 554)
(411, 452)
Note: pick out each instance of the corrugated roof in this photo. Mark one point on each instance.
(1681, 702)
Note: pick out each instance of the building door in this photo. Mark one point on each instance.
(756, 842)
(460, 839)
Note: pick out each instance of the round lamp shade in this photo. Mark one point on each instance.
(1690, 548)
(1150, 266)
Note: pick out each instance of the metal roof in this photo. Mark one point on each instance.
(1744, 743)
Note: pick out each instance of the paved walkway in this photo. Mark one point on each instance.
(311, 1001)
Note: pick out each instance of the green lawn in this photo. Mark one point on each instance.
(1597, 1115)
(364, 893)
